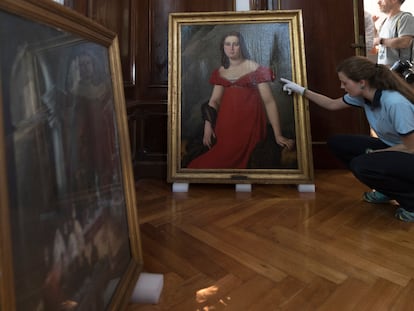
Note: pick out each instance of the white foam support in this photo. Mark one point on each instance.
(306, 188)
(180, 187)
(148, 288)
(242, 5)
(243, 188)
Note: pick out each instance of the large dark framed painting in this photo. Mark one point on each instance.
(242, 148)
(69, 237)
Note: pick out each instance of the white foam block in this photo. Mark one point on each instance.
(242, 5)
(306, 188)
(180, 187)
(148, 288)
(243, 188)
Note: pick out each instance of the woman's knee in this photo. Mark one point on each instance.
(334, 142)
(363, 167)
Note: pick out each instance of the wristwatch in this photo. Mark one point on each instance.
(381, 41)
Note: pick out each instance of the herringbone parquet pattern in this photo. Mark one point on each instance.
(275, 248)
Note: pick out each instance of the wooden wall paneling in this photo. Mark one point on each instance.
(148, 105)
(119, 16)
(158, 45)
(80, 6)
(258, 4)
(329, 33)
(128, 44)
(152, 71)
(148, 134)
(152, 36)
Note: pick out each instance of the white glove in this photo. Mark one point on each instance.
(292, 87)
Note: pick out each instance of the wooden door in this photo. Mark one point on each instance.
(333, 31)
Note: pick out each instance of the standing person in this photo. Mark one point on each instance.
(235, 116)
(385, 163)
(369, 31)
(395, 35)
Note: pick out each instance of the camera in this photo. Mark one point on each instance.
(405, 69)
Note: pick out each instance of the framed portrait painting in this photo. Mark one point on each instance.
(229, 119)
(69, 237)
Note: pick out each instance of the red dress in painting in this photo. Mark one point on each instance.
(241, 121)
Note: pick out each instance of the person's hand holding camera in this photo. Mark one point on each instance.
(290, 87)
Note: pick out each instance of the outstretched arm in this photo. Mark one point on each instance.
(319, 99)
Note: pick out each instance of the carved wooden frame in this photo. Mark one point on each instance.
(36, 196)
(273, 33)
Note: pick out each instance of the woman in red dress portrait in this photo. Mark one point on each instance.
(239, 109)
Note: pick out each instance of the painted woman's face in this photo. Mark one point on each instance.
(232, 47)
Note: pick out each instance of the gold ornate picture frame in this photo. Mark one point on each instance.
(274, 39)
(69, 233)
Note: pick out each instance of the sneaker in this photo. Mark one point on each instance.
(402, 214)
(375, 197)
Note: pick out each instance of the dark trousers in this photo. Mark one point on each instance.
(389, 172)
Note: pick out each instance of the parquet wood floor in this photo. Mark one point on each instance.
(275, 248)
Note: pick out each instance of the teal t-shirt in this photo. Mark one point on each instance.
(393, 118)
